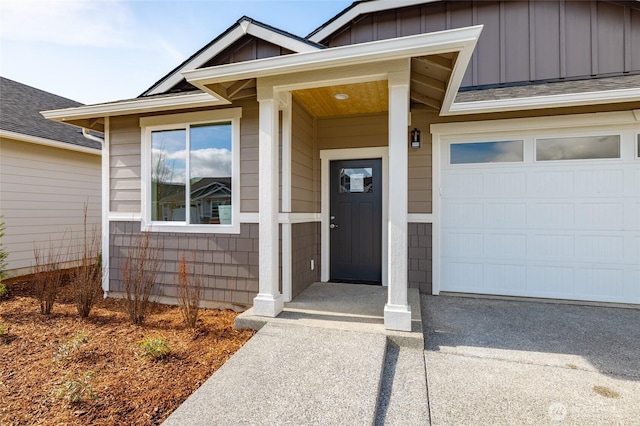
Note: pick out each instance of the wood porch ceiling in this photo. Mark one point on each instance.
(429, 78)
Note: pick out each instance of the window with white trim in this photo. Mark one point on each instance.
(192, 172)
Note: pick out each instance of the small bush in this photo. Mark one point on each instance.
(48, 276)
(69, 348)
(88, 276)
(77, 389)
(4, 328)
(139, 273)
(189, 292)
(3, 290)
(154, 347)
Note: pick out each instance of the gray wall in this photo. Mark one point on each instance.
(228, 263)
(420, 267)
(305, 246)
(521, 40)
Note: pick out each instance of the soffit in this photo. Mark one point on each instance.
(429, 79)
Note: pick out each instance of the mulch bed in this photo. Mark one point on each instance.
(129, 388)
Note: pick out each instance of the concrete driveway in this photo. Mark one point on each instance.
(511, 362)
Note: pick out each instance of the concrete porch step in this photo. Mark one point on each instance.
(287, 374)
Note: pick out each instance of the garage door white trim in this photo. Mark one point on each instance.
(624, 124)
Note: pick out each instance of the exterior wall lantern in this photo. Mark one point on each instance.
(415, 138)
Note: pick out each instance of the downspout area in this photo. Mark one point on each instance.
(86, 134)
(104, 222)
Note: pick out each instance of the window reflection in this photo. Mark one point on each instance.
(486, 152)
(356, 180)
(578, 148)
(210, 168)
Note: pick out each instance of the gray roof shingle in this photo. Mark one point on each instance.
(20, 107)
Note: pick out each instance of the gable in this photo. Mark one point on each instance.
(247, 48)
(246, 40)
(521, 41)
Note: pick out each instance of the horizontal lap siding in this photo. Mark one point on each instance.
(521, 41)
(124, 164)
(43, 191)
(304, 162)
(228, 263)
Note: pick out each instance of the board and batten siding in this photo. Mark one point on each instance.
(43, 191)
(305, 162)
(125, 161)
(521, 40)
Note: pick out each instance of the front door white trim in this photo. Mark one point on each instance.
(328, 155)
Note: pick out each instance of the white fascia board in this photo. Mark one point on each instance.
(397, 48)
(136, 106)
(245, 27)
(549, 101)
(519, 125)
(48, 142)
(360, 9)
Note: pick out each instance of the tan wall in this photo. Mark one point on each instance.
(124, 164)
(304, 162)
(42, 195)
(125, 148)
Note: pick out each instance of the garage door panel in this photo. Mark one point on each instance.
(464, 215)
(464, 184)
(505, 279)
(556, 246)
(599, 247)
(464, 243)
(504, 215)
(600, 284)
(607, 182)
(600, 216)
(547, 182)
(543, 215)
(496, 184)
(505, 245)
(550, 281)
(464, 277)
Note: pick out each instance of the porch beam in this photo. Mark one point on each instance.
(426, 100)
(436, 61)
(269, 302)
(397, 312)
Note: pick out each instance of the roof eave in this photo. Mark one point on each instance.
(21, 137)
(543, 102)
(462, 40)
(135, 106)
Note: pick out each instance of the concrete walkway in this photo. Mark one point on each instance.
(326, 360)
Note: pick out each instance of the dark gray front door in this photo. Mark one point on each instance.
(356, 221)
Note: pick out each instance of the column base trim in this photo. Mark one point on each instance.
(397, 317)
(268, 305)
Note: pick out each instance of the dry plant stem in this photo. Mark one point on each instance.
(139, 273)
(88, 275)
(189, 292)
(48, 276)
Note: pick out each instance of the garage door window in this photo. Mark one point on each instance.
(487, 152)
(578, 148)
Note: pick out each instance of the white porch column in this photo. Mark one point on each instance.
(269, 301)
(397, 312)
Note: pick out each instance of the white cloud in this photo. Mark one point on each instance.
(210, 162)
(69, 22)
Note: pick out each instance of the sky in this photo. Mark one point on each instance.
(95, 51)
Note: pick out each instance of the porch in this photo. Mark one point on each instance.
(354, 307)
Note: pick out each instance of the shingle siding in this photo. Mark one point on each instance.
(228, 263)
(305, 247)
(420, 265)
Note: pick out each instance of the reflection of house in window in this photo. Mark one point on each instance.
(207, 194)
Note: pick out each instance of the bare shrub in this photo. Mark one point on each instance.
(139, 274)
(88, 275)
(48, 275)
(189, 292)
(3, 256)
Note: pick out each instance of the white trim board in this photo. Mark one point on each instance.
(243, 27)
(549, 101)
(21, 137)
(327, 155)
(135, 106)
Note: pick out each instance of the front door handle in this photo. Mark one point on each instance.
(333, 225)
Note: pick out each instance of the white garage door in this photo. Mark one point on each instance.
(553, 217)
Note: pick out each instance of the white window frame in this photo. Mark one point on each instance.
(578, 134)
(179, 122)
